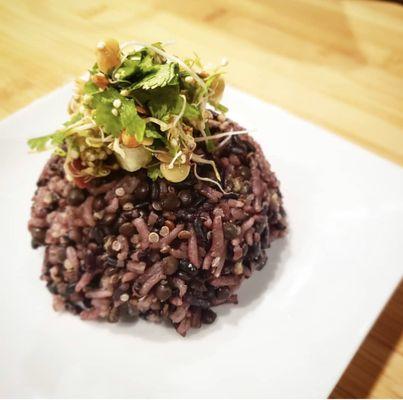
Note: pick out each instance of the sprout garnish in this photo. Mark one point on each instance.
(139, 108)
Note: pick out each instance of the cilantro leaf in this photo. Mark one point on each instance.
(164, 102)
(152, 132)
(39, 143)
(131, 121)
(191, 112)
(127, 69)
(75, 118)
(102, 103)
(90, 88)
(161, 75)
(104, 118)
(154, 172)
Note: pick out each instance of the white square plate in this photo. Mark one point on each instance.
(298, 322)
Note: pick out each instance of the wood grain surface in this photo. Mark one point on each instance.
(336, 63)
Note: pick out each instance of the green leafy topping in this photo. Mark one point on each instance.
(103, 106)
(131, 121)
(127, 69)
(90, 88)
(191, 112)
(152, 132)
(145, 111)
(75, 118)
(39, 143)
(160, 76)
(154, 172)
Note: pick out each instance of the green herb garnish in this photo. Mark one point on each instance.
(139, 108)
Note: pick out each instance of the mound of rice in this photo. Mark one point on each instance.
(127, 246)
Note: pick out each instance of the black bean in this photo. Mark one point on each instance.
(282, 211)
(99, 203)
(127, 229)
(184, 276)
(89, 261)
(197, 301)
(265, 238)
(231, 231)
(97, 234)
(187, 267)
(231, 196)
(280, 226)
(186, 197)
(210, 294)
(87, 303)
(38, 234)
(261, 261)
(223, 293)
(254, 250)
(185, 215)
(70, 289)
(155, 191)
(274, 217)
(153, 256)
(170, 202)
(198, 200)
(123, 288)
(198, 285)
(127, 198)
(142, 205)
(72, 308)
(52, 288)
(112, 261)
(238, 150)
(170, 264)
(75, 197)
(163, 292)
(114, 315)
(200, 232)
(142, 190)
(260, 225)
(109, 219)
(136, 287)
(35, 244)
(208, 316)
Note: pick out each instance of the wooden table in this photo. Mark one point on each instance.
(336, 63)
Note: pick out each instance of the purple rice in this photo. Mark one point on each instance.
(127, 247)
